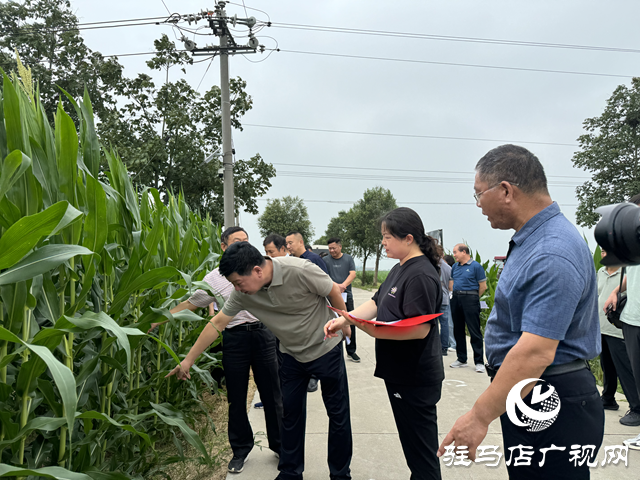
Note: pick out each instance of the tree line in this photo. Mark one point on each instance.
(163, 132)
(358, 228)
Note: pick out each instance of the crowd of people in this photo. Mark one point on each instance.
(547, 322)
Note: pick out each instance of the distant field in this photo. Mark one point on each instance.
(382, 275)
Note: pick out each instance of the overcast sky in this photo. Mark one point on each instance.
(494, 106)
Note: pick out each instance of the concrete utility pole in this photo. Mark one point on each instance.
(225, 110)
(218, 22)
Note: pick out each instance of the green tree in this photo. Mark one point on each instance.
(364, 226)
(610, 151)
(166, 133)
(45, 34)
(283, 215)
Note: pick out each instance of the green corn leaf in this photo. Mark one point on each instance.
(48, 302)
(13, 122)
(42, 260)
(67, 148)
(148, 279)
(63, 377)
(95, 225)
(45, 172)
(13, 167)
(167, 348)
(191, 436)
(46, 388)
(27, 232)
(14, 298)
(57, 473)
(101, 320)
(104, 418)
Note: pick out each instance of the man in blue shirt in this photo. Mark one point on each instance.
(544, 325)
(468, 283)
(297, 248)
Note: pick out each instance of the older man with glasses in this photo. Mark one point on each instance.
(543, 327)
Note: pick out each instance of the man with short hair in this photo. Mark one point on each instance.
(275, 245)
(297, 248)
(247, 343)
(468, 283)
(544, 325)
(290, 296)
(342, 270)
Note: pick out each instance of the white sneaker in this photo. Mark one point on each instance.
(480, 368)
(458, 364)
(452, 349)
(633, 443)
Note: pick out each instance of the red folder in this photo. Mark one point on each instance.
(407, 322)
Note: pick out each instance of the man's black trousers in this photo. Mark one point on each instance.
(255, 348)
(414, 410)
(579, 422)
(465, 310)
(632, 342)
(294, 378)
(615, 364)
(351, 348)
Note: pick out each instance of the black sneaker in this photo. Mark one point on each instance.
(354, 357)
(258, 405)
(444, 352)
(613, 405)
(236, 465)
(313, 385)
(631, 419)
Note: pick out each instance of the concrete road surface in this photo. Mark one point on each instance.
(377, 452)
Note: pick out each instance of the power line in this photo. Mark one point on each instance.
(351, 202)
(386, 178)
(404, 170)
(424, 36)
(403, 135)
(473, 65)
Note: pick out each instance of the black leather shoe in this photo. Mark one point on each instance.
(313, 385)
(236, 465)
(610, 405)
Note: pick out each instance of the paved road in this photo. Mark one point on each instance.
(377, 451)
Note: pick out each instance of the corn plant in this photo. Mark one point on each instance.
(87, 263)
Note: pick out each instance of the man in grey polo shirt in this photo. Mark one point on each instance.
(289, 295)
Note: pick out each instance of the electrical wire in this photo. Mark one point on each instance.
(331, 167)
(250, 8)
(351, 202)
(473, 65)
(403, 135)
(424, 36)
(205, 73)
(387, 178)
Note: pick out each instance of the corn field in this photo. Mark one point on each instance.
(87, 263)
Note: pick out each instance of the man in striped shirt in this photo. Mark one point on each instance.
(246, 342)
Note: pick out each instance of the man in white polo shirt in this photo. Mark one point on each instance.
(246, 342)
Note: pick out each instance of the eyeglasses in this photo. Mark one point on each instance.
(478, 195)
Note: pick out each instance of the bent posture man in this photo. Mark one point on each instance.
(247, 343)
(290, 296)
(544, 324)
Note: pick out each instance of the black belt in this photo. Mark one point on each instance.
(247, 326)
(550, 371)
(466, 292)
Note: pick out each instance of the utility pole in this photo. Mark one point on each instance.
(219, 24)
(225, 110)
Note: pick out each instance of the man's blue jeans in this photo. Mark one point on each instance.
(446, 327)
